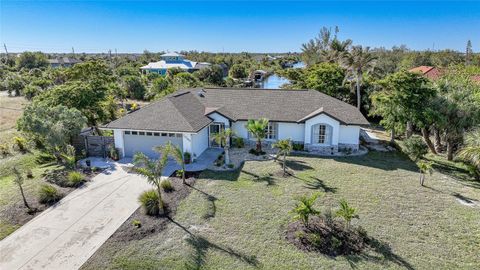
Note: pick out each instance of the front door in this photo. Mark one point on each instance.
(214, 129)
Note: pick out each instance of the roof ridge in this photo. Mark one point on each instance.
(253, 89)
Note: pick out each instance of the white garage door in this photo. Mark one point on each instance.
(138, 141)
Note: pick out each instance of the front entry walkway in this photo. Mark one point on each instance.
(65, 235)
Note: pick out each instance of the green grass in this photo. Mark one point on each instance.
(237, 220)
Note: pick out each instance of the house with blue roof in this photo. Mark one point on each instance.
(173, 60)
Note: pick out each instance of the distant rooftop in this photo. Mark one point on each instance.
(172, 54)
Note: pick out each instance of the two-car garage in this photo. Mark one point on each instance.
(143, 141)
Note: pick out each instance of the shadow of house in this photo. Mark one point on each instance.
(201, 245)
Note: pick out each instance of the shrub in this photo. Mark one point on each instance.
(238, 142)
(21, 143)
(187, 157)
(166, 185)
(75, 179)
(114, 153)
(136, 223)
(48, 194)
(256, 153)
(298, 146)
(44, 157)
(230, 165)
(415, 147)
(29, 173)
(4, 149)
(68, 157)
(151, 202)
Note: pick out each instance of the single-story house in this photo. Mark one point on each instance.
(189, 118)
(63, 62)
(173, 60)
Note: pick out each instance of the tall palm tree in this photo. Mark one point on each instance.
(471, 150)
(358, 61)
(336, 51)
(222, 138)
(152, 169)
(284, 148)
(177, 154)
(257, 129)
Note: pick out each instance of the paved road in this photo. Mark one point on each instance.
(66, 235)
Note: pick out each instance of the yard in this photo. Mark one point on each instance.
(237, 220)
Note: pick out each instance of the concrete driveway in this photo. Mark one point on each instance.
(67, 234)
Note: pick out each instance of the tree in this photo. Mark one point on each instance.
(415, 147)
(468, 53)
(185, 80)
(238, 71)
(134, 86)
(152, 170)
(160, 87)
(327, 78)
(19, 179)
(53, 127)
(212, 75)
(30, 60)
(346, 212)
(358, 62)
(304, 208)
(223, 139)
(177, 154)
(471, 150)
(258, 129)
(424, 167)
(284, 149)
(14, 84)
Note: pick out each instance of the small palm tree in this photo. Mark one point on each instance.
(304, 208)
(177, 154)
(222, 138)
(284, 148)
(358, 61)
(258, 129)
(69, 158)
(346, 212)
(19, 179)
(424, 167)
(471, 151)
(152, 169)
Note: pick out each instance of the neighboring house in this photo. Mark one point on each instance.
(63, 62)
(173, 60)
(431, 73)
(189, 118)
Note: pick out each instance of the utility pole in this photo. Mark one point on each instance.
(73, 52)
(5, 46)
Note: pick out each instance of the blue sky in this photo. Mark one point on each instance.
(269, 26)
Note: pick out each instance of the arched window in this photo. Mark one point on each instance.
(321, 134)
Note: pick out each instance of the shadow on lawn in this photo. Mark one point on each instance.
(388, 161)
(317, 183)
(267, 178)
(384, 252)
(212, 209)
(201, 246)
(460, 174)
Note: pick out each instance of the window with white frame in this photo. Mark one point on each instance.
(271, 131)
(321, 134)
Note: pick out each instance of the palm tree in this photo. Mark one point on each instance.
(471, 151)
(337, 51)
(177, 154)
(258, 129)
(346, 212)
(304, 208)
(152, 169)
(284, 148)
(222, 138)
(19, 181)
(358, 61)
(424, 167)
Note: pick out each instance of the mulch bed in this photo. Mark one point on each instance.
(154, 224)
(331, 238)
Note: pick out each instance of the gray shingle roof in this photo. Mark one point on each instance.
(185, 110)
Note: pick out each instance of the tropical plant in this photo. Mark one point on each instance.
(21, 143)
(4, 149)
(152, 203)
(415, 147)
(167, 185)
(222, 138)
(358, 62)
(152, 170)
(346, 212)
(258, 129)
(424, 167)
(48, 194)
(304, 208)
(284, 148)
(177, 154)
(75, 179)
(68, 157)
(19, 180)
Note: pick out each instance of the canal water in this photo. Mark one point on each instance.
(275, 82)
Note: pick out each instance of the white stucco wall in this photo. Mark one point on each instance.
(322, 119)
(239, 129)
(119, 142)
(349, 134)
(199, 142)
(293, 131)
(220, 119)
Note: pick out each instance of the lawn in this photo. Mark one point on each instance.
(238, 220)
(11, 108)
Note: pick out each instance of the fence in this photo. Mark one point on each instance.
(96, 146)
